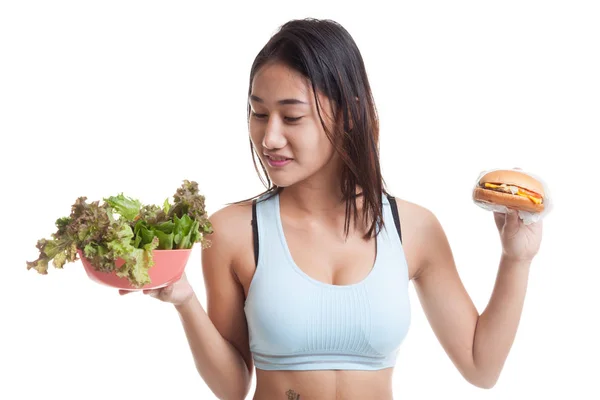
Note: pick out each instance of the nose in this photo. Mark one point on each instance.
(274, 137)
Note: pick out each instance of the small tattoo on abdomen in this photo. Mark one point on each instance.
(291, 395)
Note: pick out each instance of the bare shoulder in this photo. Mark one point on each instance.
(231, 239)
(411, 210)
(418, 224)
(229, 225)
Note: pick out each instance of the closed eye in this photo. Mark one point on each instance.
(258, 116)
(263, 116)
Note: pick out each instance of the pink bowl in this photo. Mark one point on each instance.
(168, 268)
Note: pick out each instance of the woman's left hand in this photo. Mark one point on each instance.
(520, 242)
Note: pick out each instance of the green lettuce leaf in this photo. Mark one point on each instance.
(166, 206)
(166, 227)
(137, 265)
(145, 233)
(125, 206)
(165, 240)
(186, 232)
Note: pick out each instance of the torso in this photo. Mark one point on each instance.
(356, 257)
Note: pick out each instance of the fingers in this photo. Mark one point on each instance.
(123, 292)
(499, 218)
(512, 216)
(152, 292)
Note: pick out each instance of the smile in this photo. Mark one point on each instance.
(278, 162)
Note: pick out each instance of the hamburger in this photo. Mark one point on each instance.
(511, 188)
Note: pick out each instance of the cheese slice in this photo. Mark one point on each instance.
(536, 200)
(491, 185)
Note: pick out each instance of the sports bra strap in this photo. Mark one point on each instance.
(394, 208)
(255, 231)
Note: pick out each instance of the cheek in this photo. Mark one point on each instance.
(325, 148)
(315, 149)
(256, 137)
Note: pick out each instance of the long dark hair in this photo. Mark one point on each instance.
(324, 52)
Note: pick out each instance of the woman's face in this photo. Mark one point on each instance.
(285, 127)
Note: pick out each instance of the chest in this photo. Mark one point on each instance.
(322, 256)
(330, 258)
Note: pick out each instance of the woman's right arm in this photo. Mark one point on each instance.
(218, 338)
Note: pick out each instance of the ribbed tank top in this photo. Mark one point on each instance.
(296, 322)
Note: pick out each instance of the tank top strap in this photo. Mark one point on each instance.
(266, 228)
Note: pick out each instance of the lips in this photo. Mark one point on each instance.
(277, 161)
(274, 157)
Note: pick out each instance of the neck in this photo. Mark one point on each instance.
(314, 199)
(319, 195)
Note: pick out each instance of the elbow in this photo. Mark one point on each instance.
(237, 392)
(480, 377)
(484, 384)
(232, 393)
(482, 380)
(483, 374)
(240, 391)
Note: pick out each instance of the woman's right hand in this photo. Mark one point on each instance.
(176, 293)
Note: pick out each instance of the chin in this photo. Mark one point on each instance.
(287, 179)
(284, 179)
(282, 182)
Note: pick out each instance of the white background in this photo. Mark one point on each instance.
(98, 98)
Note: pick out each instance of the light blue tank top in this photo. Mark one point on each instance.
(296, 322)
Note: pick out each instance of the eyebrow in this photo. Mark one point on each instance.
(281, 102)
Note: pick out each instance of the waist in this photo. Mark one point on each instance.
(324, 385)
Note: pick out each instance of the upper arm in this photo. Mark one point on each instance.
(445, 301)
(224, 294)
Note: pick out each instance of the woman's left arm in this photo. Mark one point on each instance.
(478, 345)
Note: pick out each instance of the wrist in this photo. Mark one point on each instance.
(186, 303)
(507, 259)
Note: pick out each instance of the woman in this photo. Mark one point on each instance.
(308, 282)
